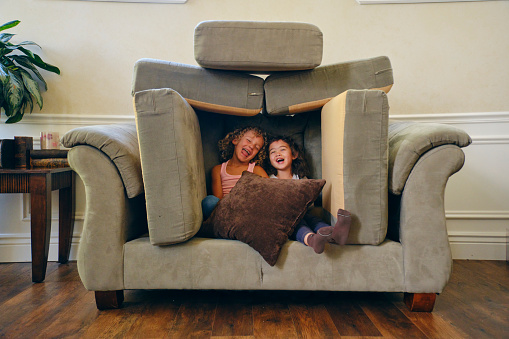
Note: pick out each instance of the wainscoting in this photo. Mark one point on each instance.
(477, 198)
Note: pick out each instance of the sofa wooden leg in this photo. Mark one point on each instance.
(420, 302)
(106, 300)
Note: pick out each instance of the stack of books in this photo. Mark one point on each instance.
(18, 153)
(48, 158)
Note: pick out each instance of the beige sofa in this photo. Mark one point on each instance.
(144, 182)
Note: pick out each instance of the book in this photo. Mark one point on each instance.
(22, 147)
(48, 153)
(49, 163)
(7, 149)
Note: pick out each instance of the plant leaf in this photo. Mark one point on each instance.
(37, 61)
(13, 90)
(32, 86)
(8, 25)
(23, 60)
(5, 37)
(15, 118)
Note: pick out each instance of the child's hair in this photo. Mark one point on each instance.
(226, 147)
(299, 165)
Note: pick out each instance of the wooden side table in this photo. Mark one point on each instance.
(39, 183)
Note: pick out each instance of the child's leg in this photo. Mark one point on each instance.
(208, 204)
(301, 230)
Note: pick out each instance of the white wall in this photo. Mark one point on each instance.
(449, 59)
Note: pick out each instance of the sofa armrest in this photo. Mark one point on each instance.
(422, 223)
(111, 219)
(408, 141)
(120, 143)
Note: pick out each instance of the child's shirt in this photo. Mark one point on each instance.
(229, 180)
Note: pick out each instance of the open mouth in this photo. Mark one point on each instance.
(246, 152)
(280, 160)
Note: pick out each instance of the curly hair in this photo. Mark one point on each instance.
(226, 146)
(299, 165)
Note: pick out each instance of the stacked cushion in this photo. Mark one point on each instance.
(355, 162)
(258, 46)
(296, 92)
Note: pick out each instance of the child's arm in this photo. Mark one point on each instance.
(217, 187)
(260, 171)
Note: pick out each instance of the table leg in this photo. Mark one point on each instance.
(66, 221)
(40, 214)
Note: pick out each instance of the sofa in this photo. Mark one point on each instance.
(144, 181)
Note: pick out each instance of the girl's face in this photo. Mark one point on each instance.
(248, 146)
(280, 155)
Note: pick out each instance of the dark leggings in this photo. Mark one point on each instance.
(308, 224)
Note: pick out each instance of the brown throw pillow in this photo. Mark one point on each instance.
(262, 212)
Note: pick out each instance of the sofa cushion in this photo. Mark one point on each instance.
(234, 93)
(295, 92)
(172, 165)
(262, 212)
(257, 46)
(354, 162)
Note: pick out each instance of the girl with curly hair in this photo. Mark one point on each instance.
(239, 152)
(286, 161)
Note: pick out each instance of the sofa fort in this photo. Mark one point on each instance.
(144, 182)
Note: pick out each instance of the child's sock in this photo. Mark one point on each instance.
(342, 227)
(317, 240)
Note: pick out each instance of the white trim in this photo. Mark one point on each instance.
(455, 118)
(72, 119)
(477, 215)
(17, 247)
(383, 2)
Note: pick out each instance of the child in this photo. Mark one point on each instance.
(286, 161)
(240, 151)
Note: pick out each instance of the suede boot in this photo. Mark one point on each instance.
(342, 228)
(317, 241)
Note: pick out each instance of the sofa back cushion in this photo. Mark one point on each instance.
(258, 46)
(355, 162)
(172, 165)
(224, 92)
(303, 91)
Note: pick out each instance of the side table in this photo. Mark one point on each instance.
(39, 183)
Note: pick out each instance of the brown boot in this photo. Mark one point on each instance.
(342, 228)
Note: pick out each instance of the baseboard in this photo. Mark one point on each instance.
(17, 247)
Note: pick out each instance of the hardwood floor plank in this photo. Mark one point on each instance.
(158, 317)
(233, 319)
(273, 320)
(388, 318)
(30, 324)
(431, 323)
(313, 321)
(350, 319)
(194, 320)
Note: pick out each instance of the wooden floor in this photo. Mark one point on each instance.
(475, 304)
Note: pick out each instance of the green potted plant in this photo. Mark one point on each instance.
(18, 67)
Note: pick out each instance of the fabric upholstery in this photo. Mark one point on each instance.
(172, 164)
(354, 162)
(110, 219)
(120, 143)
(408, 141)
(262, 212)
(203, 263)
(234, 93)
(296, 92)
(428, 263)
(257, 46)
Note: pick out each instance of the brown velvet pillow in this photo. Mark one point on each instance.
(262, 212)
